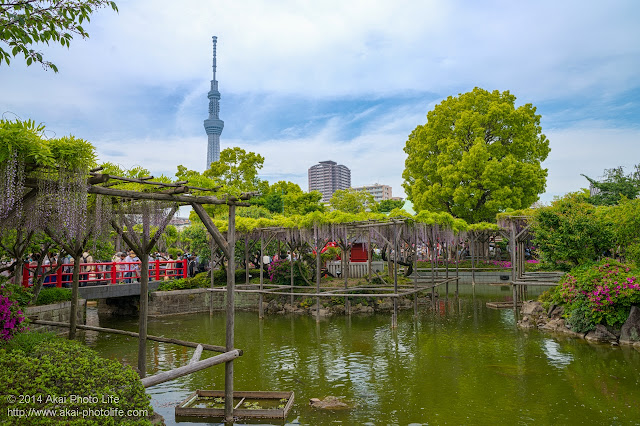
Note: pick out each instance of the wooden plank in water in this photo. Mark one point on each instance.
(502, 305)
(185, 409)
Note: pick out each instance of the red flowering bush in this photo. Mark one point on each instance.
(11, 319)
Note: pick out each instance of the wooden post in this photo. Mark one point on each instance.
(457, 266)
(291, 280)
(318, 271)
(231, 281)
(260, 297)
(415, 273)
(472, 248)
(144, 308)
(246, 258)
(369, 256)
(345, 272)
(446, 265)
(394, 317)
(432, 244)
(512, 244)
(212, 271)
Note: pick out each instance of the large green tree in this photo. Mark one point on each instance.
(477, 155)
(26, 23)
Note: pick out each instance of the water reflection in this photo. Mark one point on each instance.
(555, 357)
(459, 363)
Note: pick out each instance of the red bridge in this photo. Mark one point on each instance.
(104, 273)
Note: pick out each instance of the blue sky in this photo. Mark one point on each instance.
(347, 81)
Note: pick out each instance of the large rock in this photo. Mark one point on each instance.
(526, 323)
(385, 305)
(555, 311)
(601, 334)
(322, 313)
(630, 332)
(555, 325)
(360, 309)
(531, 308)
(273, 307)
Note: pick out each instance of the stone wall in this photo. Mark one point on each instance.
(198, 300)
(55, 312)
(484, 277)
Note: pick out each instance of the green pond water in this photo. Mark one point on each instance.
(460, 363)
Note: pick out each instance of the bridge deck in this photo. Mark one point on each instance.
(114, 290)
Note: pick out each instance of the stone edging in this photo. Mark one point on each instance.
(534, 316)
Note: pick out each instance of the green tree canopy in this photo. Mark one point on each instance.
(572, 231)
(614, 185)
(288, 198)
(624, 218)
(351, 201)
(237, 171)
(477, 155)
(25, 23)
(386, 206)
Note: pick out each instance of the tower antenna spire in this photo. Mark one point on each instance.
(215, 41)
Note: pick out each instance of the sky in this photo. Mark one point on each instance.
(307, 81)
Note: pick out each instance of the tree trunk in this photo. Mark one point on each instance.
(73, 313)
(17, 275)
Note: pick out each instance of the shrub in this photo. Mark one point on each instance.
(280, 272)
(63, 368)
(17, 293)
(28, 341)
(203, 280)
(571, 232)
(599, 293)
(11, 319)
(51, 295)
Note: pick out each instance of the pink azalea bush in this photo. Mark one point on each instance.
(11, 319)
(600, 293)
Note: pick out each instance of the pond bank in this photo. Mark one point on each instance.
(534, 316)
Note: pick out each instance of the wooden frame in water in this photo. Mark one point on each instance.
(257, 404)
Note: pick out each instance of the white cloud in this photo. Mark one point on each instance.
(138, 85)
(588, 149)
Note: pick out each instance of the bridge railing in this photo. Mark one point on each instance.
(103, 273)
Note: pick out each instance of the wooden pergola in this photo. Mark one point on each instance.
(400, 235)
(517, 229)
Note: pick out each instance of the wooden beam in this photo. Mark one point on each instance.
(136, 195)
(177, 190)
(165, 376)
(213, 230)
(196, 355)
(205, 346)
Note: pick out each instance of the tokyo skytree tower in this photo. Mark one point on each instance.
(213, 125)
